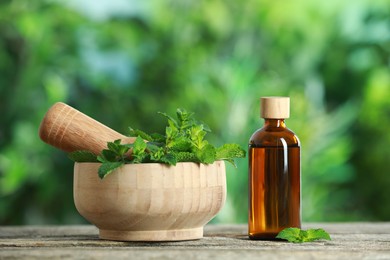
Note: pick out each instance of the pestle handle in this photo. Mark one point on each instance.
(70, 130)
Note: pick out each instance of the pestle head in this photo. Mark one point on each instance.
(70, 130)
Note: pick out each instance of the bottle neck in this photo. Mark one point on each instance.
(274, 123)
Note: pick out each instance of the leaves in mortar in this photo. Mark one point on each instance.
(181, 144)
(158, 138)
(297, 235)
(183, 141)
(83, 156)
(113, 157)
(171, 121)
(139, 147)
(197, 135)
(169, 158)
(228, 151)
(206, 154)
(108, 167)
(119, 149)
(186, 119)
(142, 134)
(107, 156)
(186, 157)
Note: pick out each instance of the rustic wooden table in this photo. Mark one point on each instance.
(349, 241)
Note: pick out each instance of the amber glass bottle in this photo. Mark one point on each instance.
(274, 173)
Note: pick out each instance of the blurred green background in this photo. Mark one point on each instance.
(122, 61)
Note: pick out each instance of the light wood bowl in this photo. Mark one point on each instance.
(150, 202)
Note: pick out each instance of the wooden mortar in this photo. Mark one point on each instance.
(150, 201)
(137, 202)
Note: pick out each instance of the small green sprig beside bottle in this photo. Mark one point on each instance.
(183, 141)
(297, 235)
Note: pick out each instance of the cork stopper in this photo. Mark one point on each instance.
(275, 107)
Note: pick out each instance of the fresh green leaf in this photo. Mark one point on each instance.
(141, 158)
(139, 151)
(83, 156)
(153, 147)
(184, 141)
(107, 156)
(229, 151)
(142, 134)
(181, 144)
(186, 119)
(118, 148)
(171, 121)
(205, 127)
(290, 234)
(156, 153)
(108, 167)
(196, 135)
(186, 157)
(297, 235)
(113, 146)
(231, 161)
(113, 157)
(158, 138)
(169, 159)
(314, 234)
(139, 146)
(206, 154)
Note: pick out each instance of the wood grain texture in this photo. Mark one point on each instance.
(150, 202)
(70, 130)
(356, 240)
(275, 107)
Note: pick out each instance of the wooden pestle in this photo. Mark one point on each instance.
(70, 130)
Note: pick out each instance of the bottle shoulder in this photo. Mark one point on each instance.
(274, 137)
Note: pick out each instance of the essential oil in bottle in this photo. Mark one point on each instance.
(274, 173)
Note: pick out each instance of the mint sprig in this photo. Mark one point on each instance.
(183, 141)
(297, 235)
(112, 158)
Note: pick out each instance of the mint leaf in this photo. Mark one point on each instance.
(83, 156)
(297, 235)
(290, 234)
(229, 151)
(169, 159)
(205, 127)
(183, 141)
(139, 151)
(171, 134)
(186, 119)
(119, 149)
(158, 138)
(180, 144)
(231, 161)
(113, 157)
(207, 154)
(185, 157)
(107, 156)
(156, 153)
(108, 167)
(196, 135)
(142, 134)
(139, 146)
(171, 121)
(315, 234)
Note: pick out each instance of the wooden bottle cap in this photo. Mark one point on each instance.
(275, 107)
